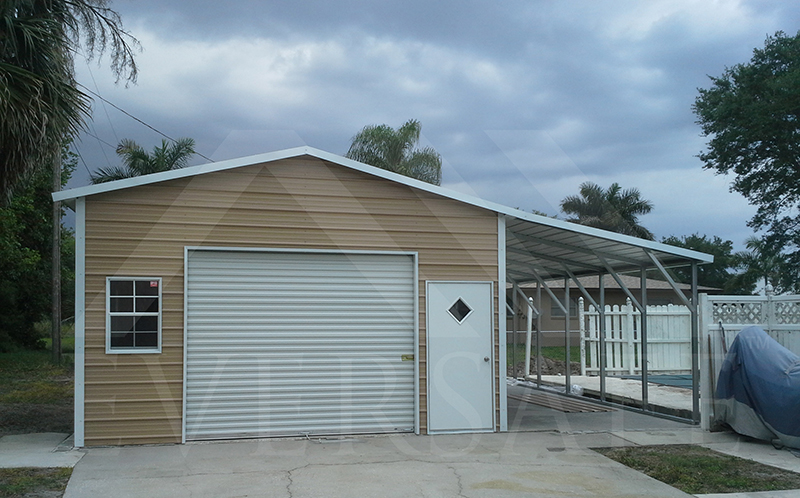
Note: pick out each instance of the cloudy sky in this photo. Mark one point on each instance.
(524, 100)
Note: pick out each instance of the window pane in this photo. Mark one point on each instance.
(147, 287)
(121, 340)
(147, 324)
(147, 304)
(121, 288)
(121, 324)
(146, 340)
(121, 304)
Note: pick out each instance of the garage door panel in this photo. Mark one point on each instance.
(298, 343)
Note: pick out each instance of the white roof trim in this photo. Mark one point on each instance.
(67, 195)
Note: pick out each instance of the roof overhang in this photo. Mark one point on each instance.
(537, 244)
(559, 249)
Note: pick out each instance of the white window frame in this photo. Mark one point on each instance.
(109, 314)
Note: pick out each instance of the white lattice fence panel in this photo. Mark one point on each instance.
(750, 312)
(723, 317)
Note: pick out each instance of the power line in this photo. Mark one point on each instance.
(100, 140)
(137, 119)
(105, 109)
(83, 161)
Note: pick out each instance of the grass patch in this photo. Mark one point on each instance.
(33, 481)
(30, 377)
(699, 470)
(35, 394)
(67, 336)
(552, 352)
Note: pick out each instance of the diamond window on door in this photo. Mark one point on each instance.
(460, 310)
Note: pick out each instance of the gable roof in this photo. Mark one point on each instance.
(552, 248)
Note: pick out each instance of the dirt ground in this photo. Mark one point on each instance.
(549, 367)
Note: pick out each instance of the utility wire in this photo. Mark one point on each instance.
(83, 161)
(105, 109)
(99, 140)
(137, 119)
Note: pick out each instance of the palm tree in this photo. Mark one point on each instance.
(393, 150)
(40, 104)
(137, 161)
(614, 209)
(759, 262)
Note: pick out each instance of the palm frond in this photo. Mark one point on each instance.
(110, 174)
(393, 150)
(136, 161)
(40, 104)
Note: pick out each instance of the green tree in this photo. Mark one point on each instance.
(751, 115)
(137, 161)
(394, 150)
(762, 262)
(612, 209)
(26, 258)
(40, 104)
(722, 273)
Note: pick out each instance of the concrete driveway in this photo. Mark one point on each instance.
(547, 454)
(474, 465)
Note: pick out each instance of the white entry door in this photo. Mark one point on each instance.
(459, 332)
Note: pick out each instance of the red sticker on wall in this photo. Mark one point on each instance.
(154, 283)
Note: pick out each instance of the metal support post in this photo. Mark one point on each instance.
(643, 337)
(566, 334)
(602, 337)
(695, 348)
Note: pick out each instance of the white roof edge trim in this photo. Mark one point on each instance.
(178, 173)
(88, 190)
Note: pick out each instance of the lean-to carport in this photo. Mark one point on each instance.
(539, 249)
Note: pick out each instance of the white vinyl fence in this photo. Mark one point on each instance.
(723, 317)
(669, 335)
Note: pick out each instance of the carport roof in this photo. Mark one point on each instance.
(537, 244)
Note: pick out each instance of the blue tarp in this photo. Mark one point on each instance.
(758, 391)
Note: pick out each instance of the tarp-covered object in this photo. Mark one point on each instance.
(758, 391)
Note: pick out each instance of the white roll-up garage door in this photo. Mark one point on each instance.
(288, 343)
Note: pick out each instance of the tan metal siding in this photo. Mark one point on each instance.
(295, 203)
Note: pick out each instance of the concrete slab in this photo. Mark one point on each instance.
(760, 451)
(789, 493)
(675, 398)
(526, 416)
(690, 435)
(470, 465)
(38, 450)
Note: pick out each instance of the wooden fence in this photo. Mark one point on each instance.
(669, 349)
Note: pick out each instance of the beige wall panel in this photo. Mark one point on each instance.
(158, 411)
(137, 431)
(298, 203)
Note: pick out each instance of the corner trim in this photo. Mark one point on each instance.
(80, 320)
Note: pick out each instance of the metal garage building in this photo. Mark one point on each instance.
(299, 292)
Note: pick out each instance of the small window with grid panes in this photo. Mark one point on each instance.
(133, 317)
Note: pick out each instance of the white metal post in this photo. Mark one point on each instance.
(566, 335)
(528, 332)
(628, 331)
(582, 331)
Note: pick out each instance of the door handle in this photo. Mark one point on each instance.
(486, 359)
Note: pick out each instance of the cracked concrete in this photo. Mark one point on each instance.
(464, 465)
(547, 454)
